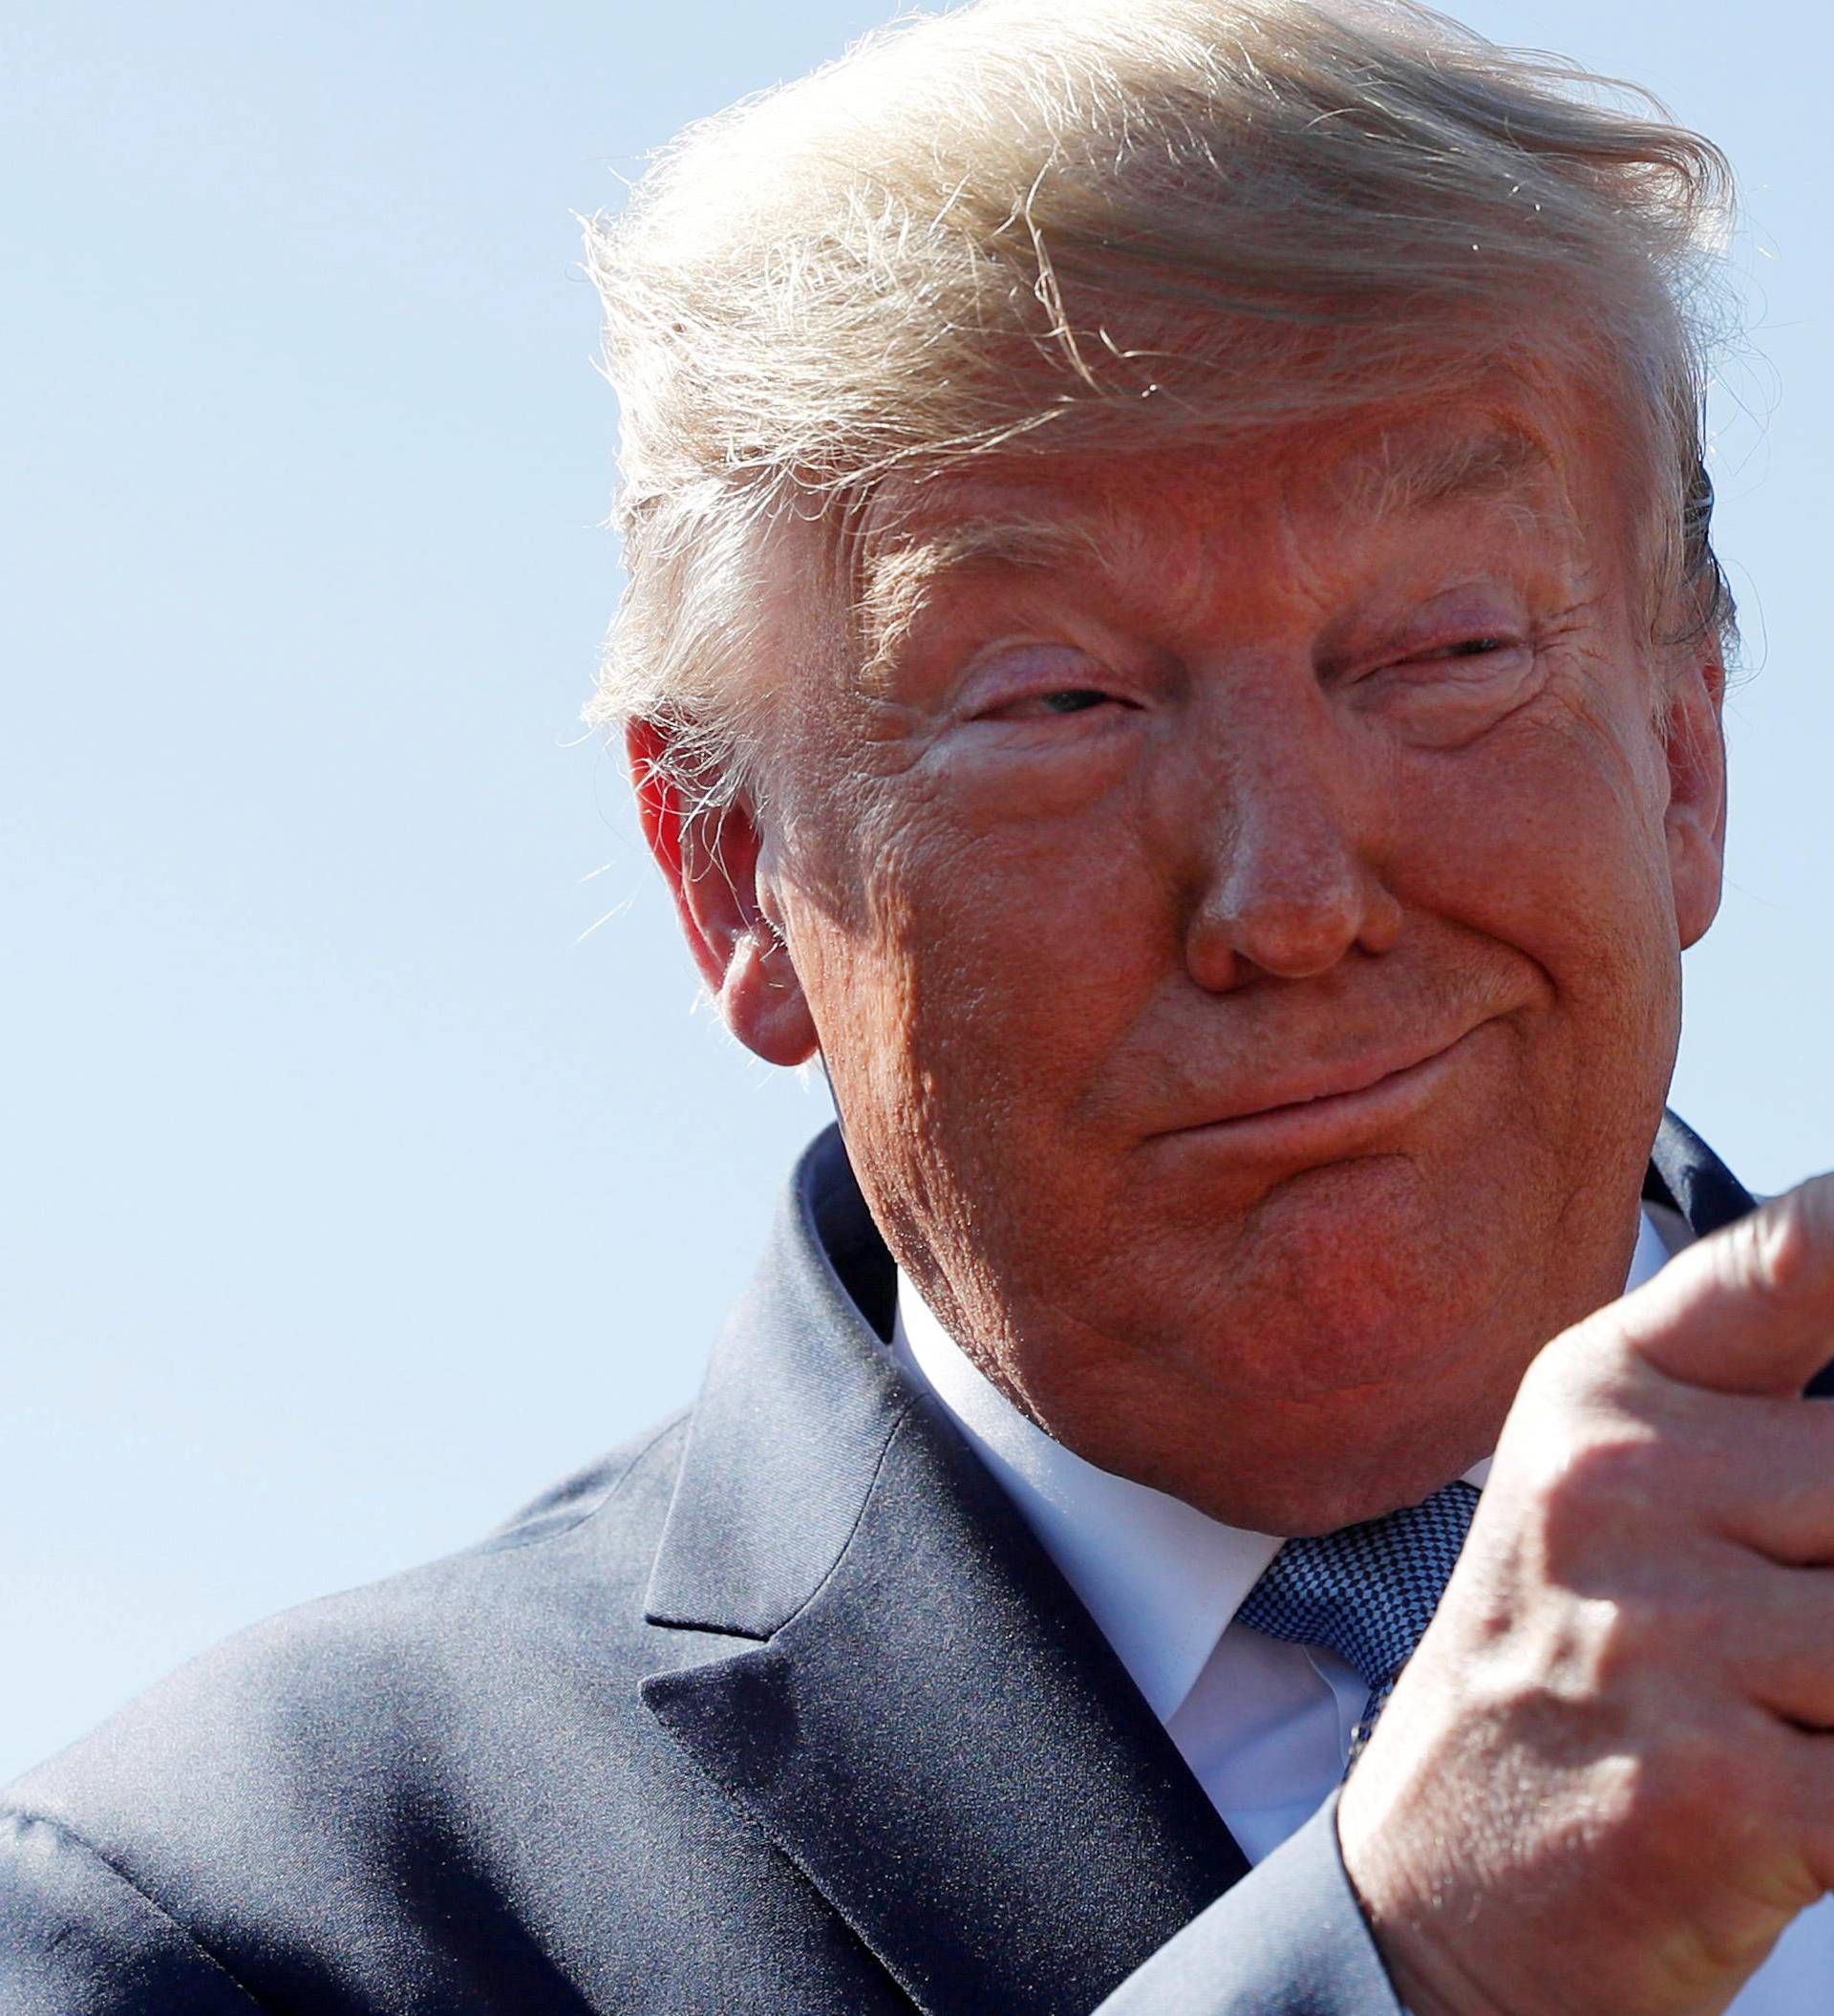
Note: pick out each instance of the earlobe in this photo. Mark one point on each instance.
(710, 856)
(1694, 824)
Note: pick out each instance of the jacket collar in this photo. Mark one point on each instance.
(799, 1404)
(1687, 1176)
(910, 1642)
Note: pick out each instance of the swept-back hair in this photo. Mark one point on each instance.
(1028, 225)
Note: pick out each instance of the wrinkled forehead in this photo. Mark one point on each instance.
(1040, 514)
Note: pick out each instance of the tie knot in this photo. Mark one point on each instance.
(1366, 1592)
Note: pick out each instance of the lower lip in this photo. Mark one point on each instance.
(1337, 1121)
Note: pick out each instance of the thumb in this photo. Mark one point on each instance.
(1749, 1308)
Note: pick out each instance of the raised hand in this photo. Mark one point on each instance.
(1605, 1784)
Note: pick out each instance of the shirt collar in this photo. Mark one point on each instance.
(1161, 1578)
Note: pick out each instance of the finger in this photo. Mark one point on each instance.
(1756, 1470)
(1772, 1481)
(1749, 1308)
(1809, 1762)
(1781, 1634)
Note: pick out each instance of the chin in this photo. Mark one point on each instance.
(1348, 1279)
(1325, 1501)
(1302, 1406)
(1307, 1466)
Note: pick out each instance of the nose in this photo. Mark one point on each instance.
(1291, 882)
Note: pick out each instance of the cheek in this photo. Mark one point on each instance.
(1552, 845)
(980, 983)
(1030, 951)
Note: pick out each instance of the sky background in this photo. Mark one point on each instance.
(364, 1161)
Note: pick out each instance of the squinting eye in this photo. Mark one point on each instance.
(1073, 700)
(1473, 648)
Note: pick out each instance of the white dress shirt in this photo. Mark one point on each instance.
(1265, 1727)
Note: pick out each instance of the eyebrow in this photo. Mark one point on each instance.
(896, 580)
(1402, 476)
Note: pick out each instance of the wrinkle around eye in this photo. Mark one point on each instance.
(1453, 694)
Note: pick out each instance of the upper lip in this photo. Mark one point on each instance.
(1355, 1072)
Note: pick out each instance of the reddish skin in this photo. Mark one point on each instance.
(1295, 836)
(1099, 865)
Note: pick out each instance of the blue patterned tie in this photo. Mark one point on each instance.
(1366, 1593)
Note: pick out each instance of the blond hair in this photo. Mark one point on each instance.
(1031, 225)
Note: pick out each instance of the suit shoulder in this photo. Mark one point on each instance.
(639, 1472)
(375, 1787)
(359, 1682)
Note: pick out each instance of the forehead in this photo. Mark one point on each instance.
(1360, 475)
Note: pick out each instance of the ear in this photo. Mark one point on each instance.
(710, 859)
(1694, 824)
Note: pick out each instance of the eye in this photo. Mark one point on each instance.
(1043, 682)
(1498, 653)
(1469, 648)
(1055, 703)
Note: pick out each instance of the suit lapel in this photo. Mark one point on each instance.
(928, 1723)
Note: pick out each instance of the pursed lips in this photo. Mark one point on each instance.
(1355, 1082)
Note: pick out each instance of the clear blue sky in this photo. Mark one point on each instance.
(353, 1184)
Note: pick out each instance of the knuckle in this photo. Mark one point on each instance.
(1619, 1474)
(1609, 1651)
(1568, 1382)
(1668, 1634)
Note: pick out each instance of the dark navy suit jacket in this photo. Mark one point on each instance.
(779, 1708)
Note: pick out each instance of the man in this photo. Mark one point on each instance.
(1173, 643)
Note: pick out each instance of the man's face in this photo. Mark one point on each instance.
(1239, 913)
